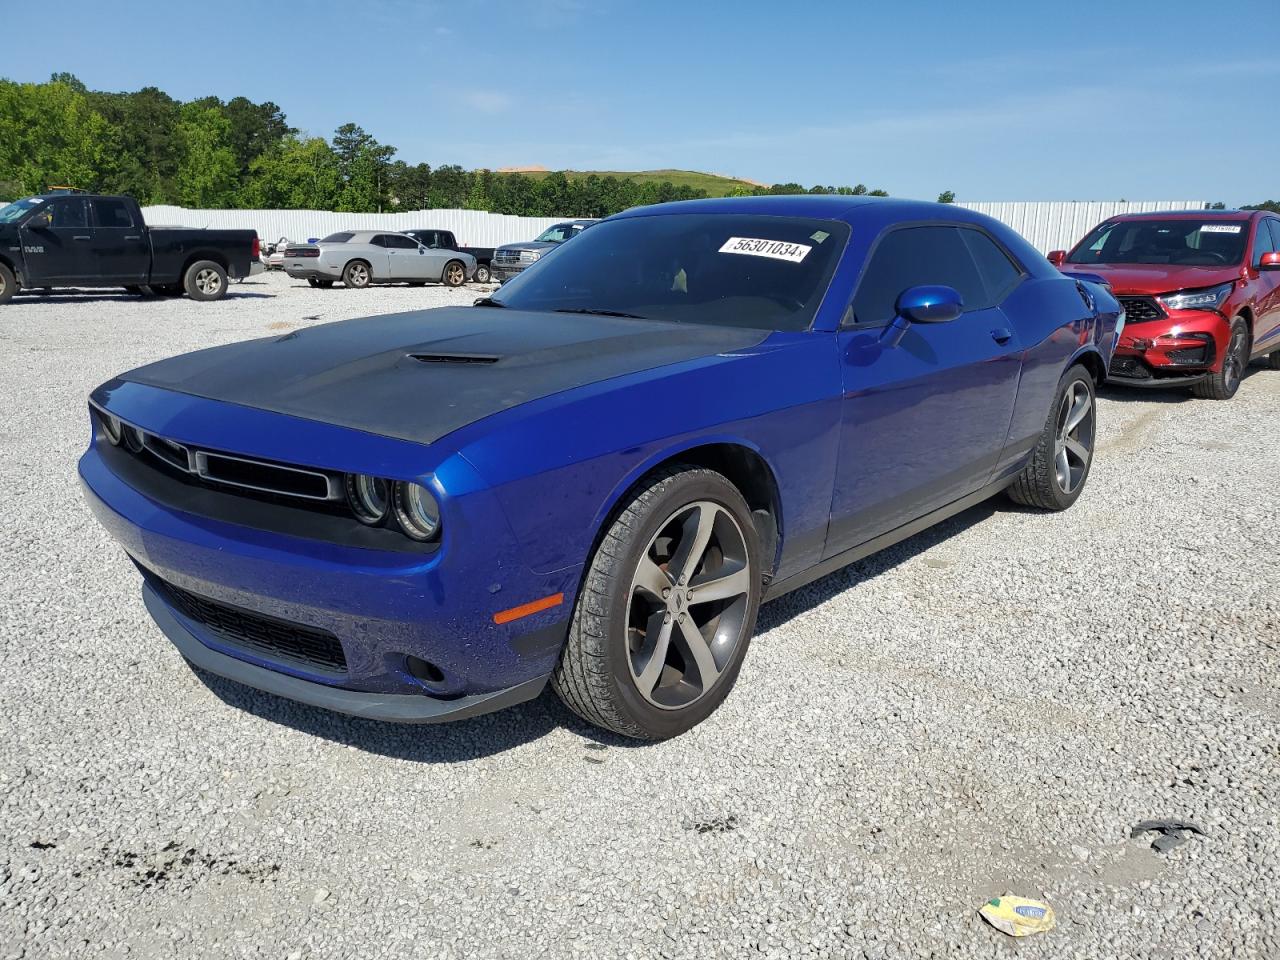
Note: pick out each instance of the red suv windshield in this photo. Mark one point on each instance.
(1183, 242)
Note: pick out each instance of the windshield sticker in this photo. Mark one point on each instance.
(35, 201)
(773, 249)
(819, 235)
(1220, 228)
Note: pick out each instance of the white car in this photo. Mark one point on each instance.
(361, 257)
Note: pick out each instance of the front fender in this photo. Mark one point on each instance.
(561, 465)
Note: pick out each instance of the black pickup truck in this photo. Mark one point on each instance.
(445, 240)
(85, 240)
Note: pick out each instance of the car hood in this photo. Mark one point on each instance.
(1155, 278)
(530, 245)
(418, 376)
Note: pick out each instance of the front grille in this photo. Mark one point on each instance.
(281, 640)
(1130, 367)
(1139, 309)
(513, 257)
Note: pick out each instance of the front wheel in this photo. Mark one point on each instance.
(1223, 384)
(482, 273)
(455, 274)
(8, 284)
(666, 610)
(1060, 463)
(205, 280)
(1273, 360)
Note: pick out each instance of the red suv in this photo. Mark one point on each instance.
(1201, 293)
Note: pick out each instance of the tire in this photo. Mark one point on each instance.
(482, 273)
(1063, 456)
(1273, 360)
(8, 284)
(607, 673)
(454, 274)
(1223, 384)
(313, 283)
(205, 280)
(357, 275)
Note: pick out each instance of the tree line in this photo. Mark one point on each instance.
(210, 153)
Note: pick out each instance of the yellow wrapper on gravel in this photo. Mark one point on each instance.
(1017, 916)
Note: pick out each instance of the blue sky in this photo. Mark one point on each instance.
(996, 101)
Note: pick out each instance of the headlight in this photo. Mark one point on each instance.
(132, 437)
(530, 255)
(1210, 298)
(417, 511)
(369, 497)
(110, 427)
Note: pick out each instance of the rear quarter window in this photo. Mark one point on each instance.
(338, 238)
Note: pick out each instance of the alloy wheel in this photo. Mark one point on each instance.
(687, 606)
(1075, 437)
(357, 274)
(456, 275)
(208, 282)
(1236, 359)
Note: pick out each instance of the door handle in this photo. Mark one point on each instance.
(85, 237)
(134, 237)
(1001, 335)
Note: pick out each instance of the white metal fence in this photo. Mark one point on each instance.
(1058, 225)
(1051, 225)
(473, 228)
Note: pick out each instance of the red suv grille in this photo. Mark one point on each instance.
(1138, 309)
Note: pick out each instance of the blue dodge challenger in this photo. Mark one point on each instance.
(597, 475)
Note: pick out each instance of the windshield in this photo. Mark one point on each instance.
(19, 209)
(731, 270)
(337, 238)
(559, 233)
(1190, 243)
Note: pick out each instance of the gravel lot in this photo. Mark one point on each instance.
(985, 709)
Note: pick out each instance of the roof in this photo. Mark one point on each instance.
(812, 206)
(1189, 215)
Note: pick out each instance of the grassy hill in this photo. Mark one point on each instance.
(715, 184)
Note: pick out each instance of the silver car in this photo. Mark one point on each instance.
(361, 257)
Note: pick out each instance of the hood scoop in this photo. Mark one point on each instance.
(454, 357)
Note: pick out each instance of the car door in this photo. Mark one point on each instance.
(924, 420)
(56, 250)
(119, 250)
(439, 253)
(407, 258)
(1266, 324)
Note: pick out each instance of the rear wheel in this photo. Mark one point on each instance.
(1223, 384)
(666, 610)
(455, 274)
(1060, 463)
(205, 280)
(482, 273)
(1273, 360)
(356, 275)
(8, 285)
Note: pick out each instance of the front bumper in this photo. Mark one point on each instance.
(1178, 350)
(384, 608)
(505, 271)
(392, 707)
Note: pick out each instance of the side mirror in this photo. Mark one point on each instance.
(1269, 261)
(924, 304)
(41, 221)
(1058, 257)
(930, 304)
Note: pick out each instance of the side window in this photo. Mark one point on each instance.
(1264, 241)
(68, 214)
(999, 274)
(379, 240)
(910, 257)
(1275, 234)
(446, 240)
(399, 242)
(111, 212)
